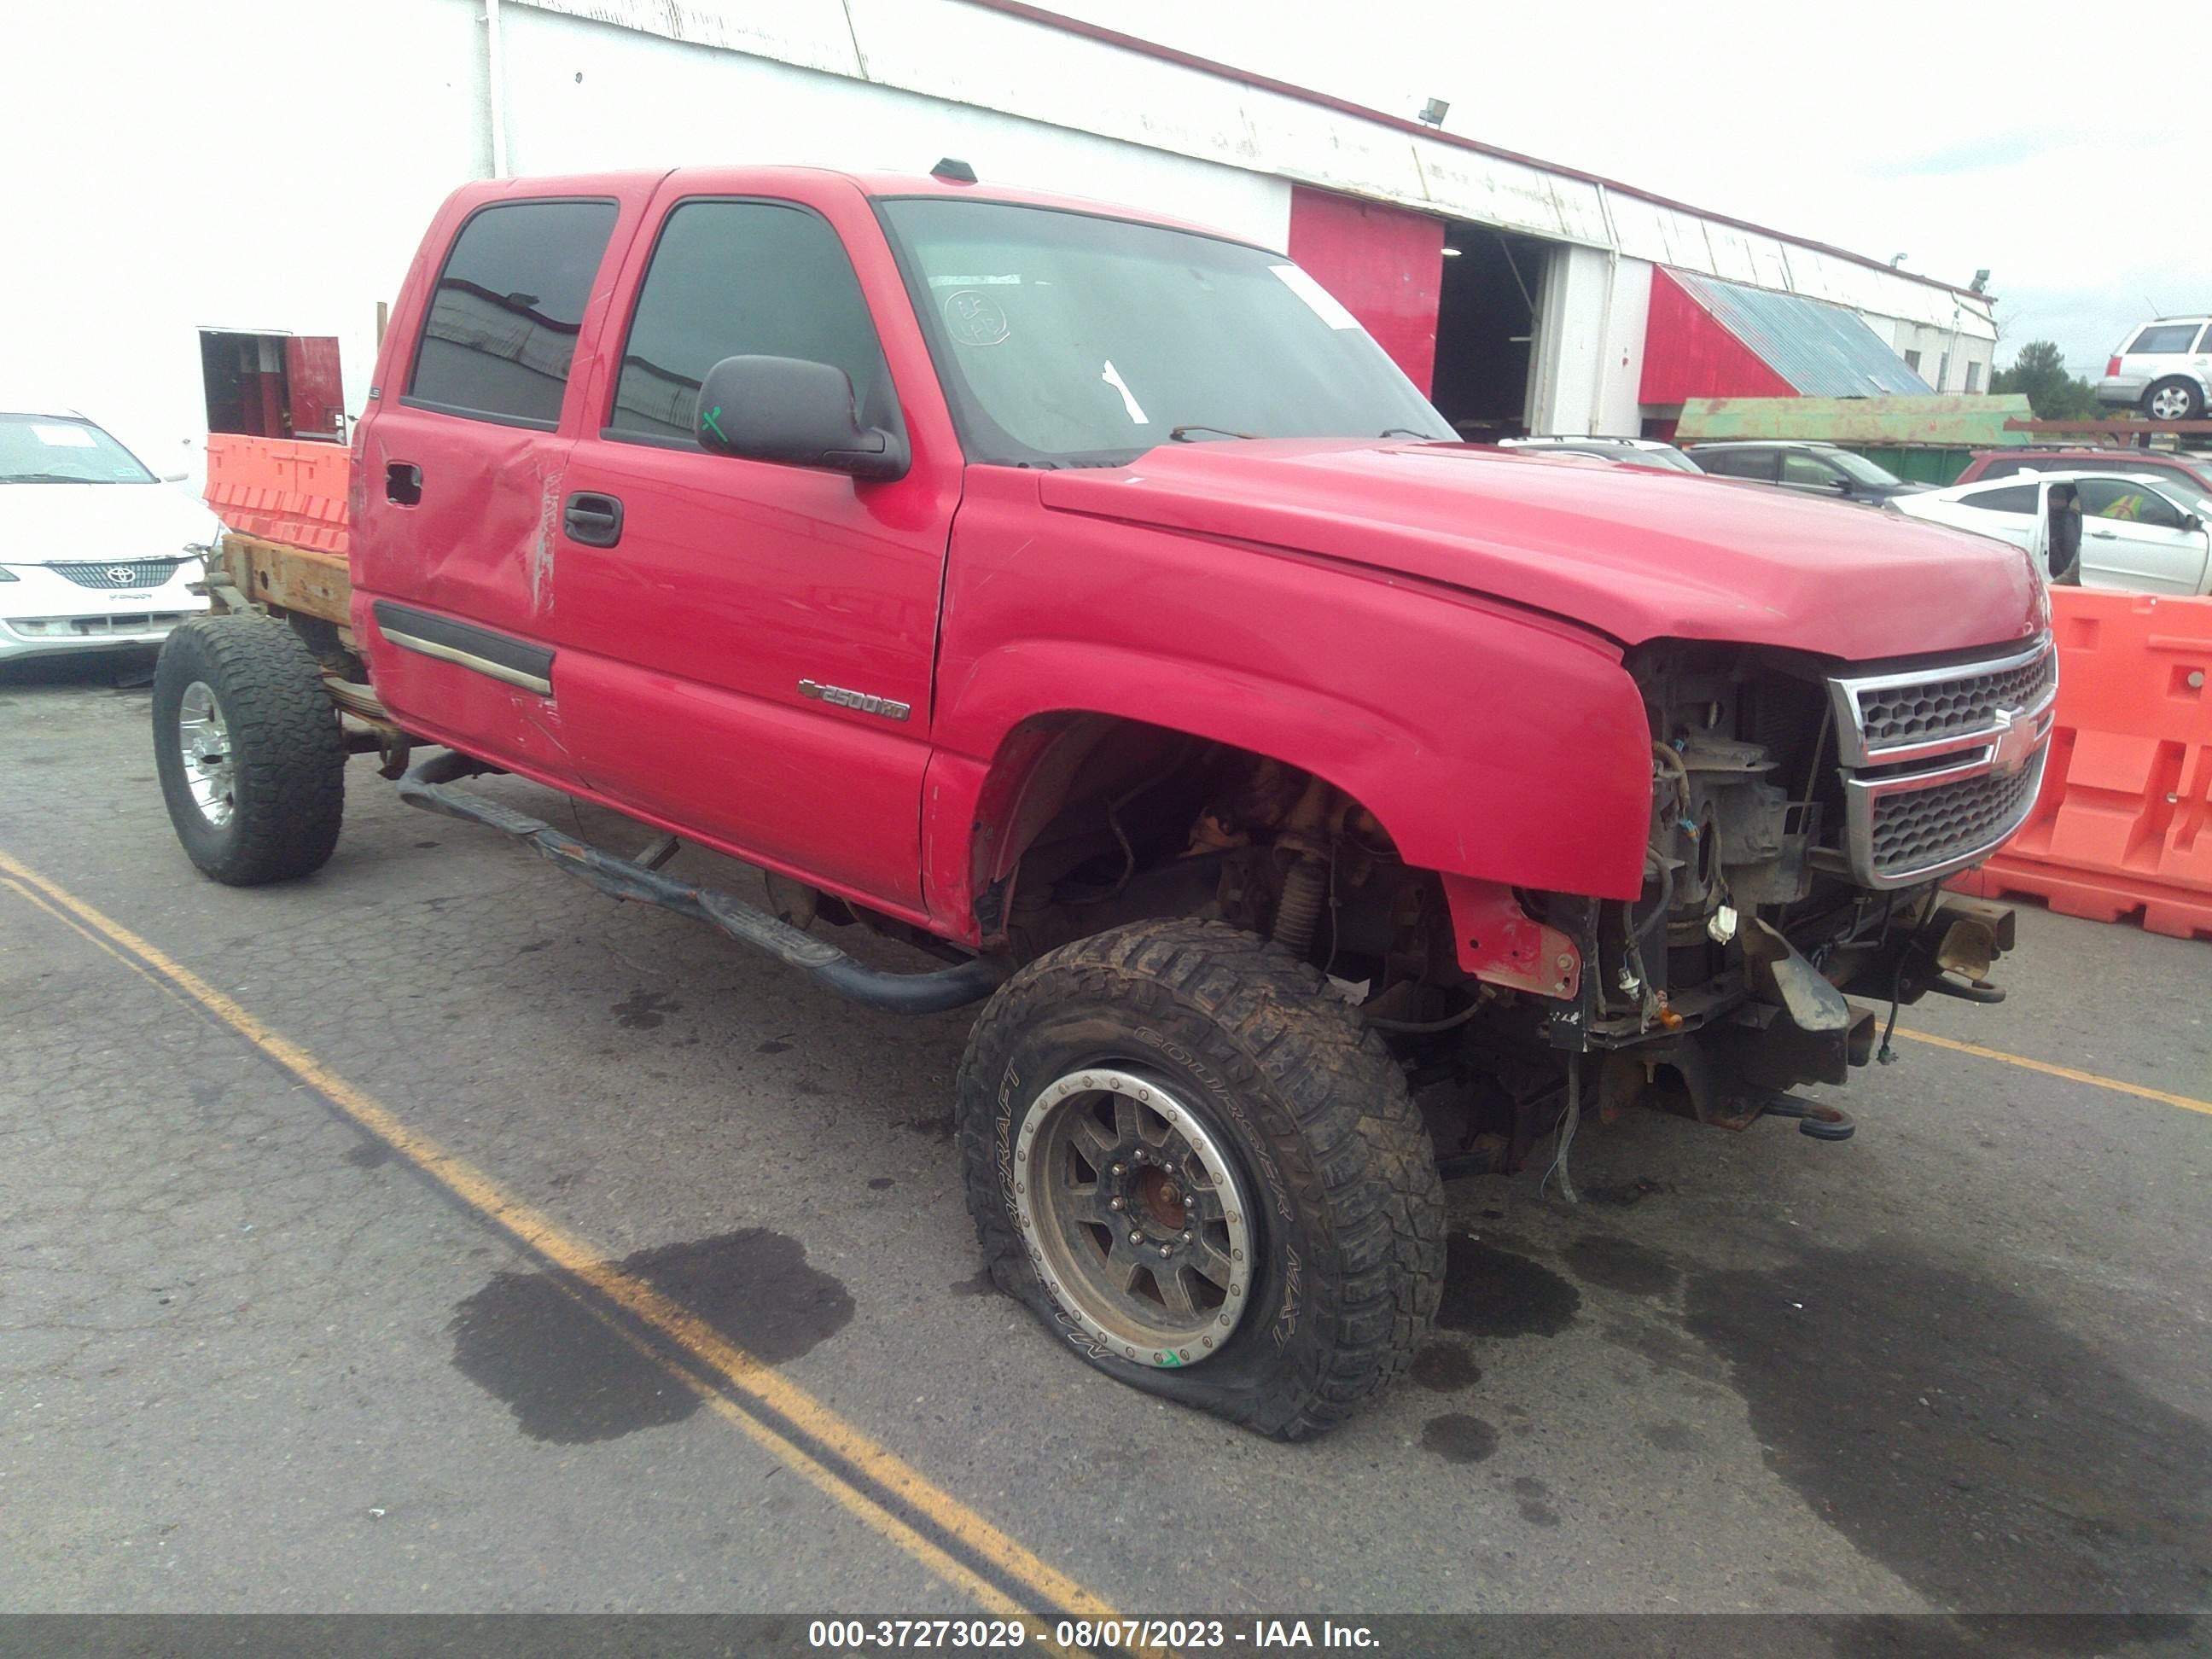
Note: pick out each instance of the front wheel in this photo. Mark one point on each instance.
(1191, 1162)
(247, 746)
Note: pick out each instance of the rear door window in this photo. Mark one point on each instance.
(1807, 470)
(1739, 463)
(2013, 498)
(739, 279)
(2163, 339)
(505, 314)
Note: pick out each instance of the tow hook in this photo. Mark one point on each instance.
(1821, 1122)
(1976, 990)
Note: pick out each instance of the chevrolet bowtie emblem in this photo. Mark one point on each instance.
(2015, 742)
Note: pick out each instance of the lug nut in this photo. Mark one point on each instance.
(1166, 1250)
(1113, 1203)
(1136, 1239)
(1117, 1169)
(1185, 1238)
(1137, 1156)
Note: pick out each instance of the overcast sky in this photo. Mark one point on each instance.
(2061, 147)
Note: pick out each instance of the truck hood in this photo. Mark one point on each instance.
(1635, 553)
(40, 522)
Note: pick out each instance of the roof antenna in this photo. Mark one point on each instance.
(953, 172)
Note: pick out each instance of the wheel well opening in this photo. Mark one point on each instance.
(1116, 821)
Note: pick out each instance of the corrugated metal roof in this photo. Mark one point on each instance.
(1823, 350)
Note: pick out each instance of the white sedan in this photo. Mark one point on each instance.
(2146, 533)
(95, 551)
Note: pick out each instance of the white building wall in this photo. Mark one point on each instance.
(272, 173)
(266, 165)
(583, 95)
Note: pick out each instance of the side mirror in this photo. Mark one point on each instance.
(174, 477)
(789, 409)
(1842, 486)
(2191, 521)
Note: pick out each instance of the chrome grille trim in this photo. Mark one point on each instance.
(132, 572)
(1941, 763)
(1912, 713)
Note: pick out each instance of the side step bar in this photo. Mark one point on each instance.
(625, 878)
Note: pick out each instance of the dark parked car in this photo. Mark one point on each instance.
(1811, 469)
(2195, 470)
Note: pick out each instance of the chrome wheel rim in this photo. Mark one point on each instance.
(2169, 402)
(1134, 1216)
(204, 739)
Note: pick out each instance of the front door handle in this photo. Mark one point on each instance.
(594, 519)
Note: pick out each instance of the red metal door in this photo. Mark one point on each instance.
(750, 660)
(1384, 264)
(317, 399)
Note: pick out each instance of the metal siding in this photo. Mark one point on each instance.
(1384, 263)
(1686, 354)
(1821, 350)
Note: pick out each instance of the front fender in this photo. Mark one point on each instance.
(1492, 741)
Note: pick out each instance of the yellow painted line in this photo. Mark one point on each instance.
(2072, 1075)
(670, 1320)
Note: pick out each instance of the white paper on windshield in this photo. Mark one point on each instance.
(1112, 376)
(1323, 304)
(64, 437)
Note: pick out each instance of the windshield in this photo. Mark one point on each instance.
(56, 449)
(1065, 339)
(1859, 467)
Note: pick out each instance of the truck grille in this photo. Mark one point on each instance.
(1914, 829)
(1941, 763)
(1894, 716)
(128, 572)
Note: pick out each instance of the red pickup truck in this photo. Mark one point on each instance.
(1086, 599)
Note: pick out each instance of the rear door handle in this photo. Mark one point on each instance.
(2105, 535)
(594, 519)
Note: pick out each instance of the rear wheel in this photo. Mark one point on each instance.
(2173, 400)
(247, 746)
(1194, 1166)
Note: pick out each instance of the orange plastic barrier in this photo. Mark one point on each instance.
(280, 488)
(2124, 822)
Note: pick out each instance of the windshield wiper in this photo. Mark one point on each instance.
(1181, 433)
(43, 477)
(1408, 432)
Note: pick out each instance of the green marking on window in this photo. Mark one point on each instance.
(709, 421)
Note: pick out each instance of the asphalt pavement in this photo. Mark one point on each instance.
(707, 1332)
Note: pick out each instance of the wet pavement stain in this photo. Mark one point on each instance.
(1670, 1437)
(1953, 1430)
(644, 1010)
(773, 1046)
(1488, 1292)
(1534, 1510)
(1620, 1264)
(938, 1128)
(570, 1377)
(1442, 1367)
(979, 1283)
(882, 1184)
(370, 1155)
(1458, 1438)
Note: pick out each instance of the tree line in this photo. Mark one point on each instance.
(2039, 372)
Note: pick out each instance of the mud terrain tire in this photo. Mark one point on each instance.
(263, 799)
(1270, 1075)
